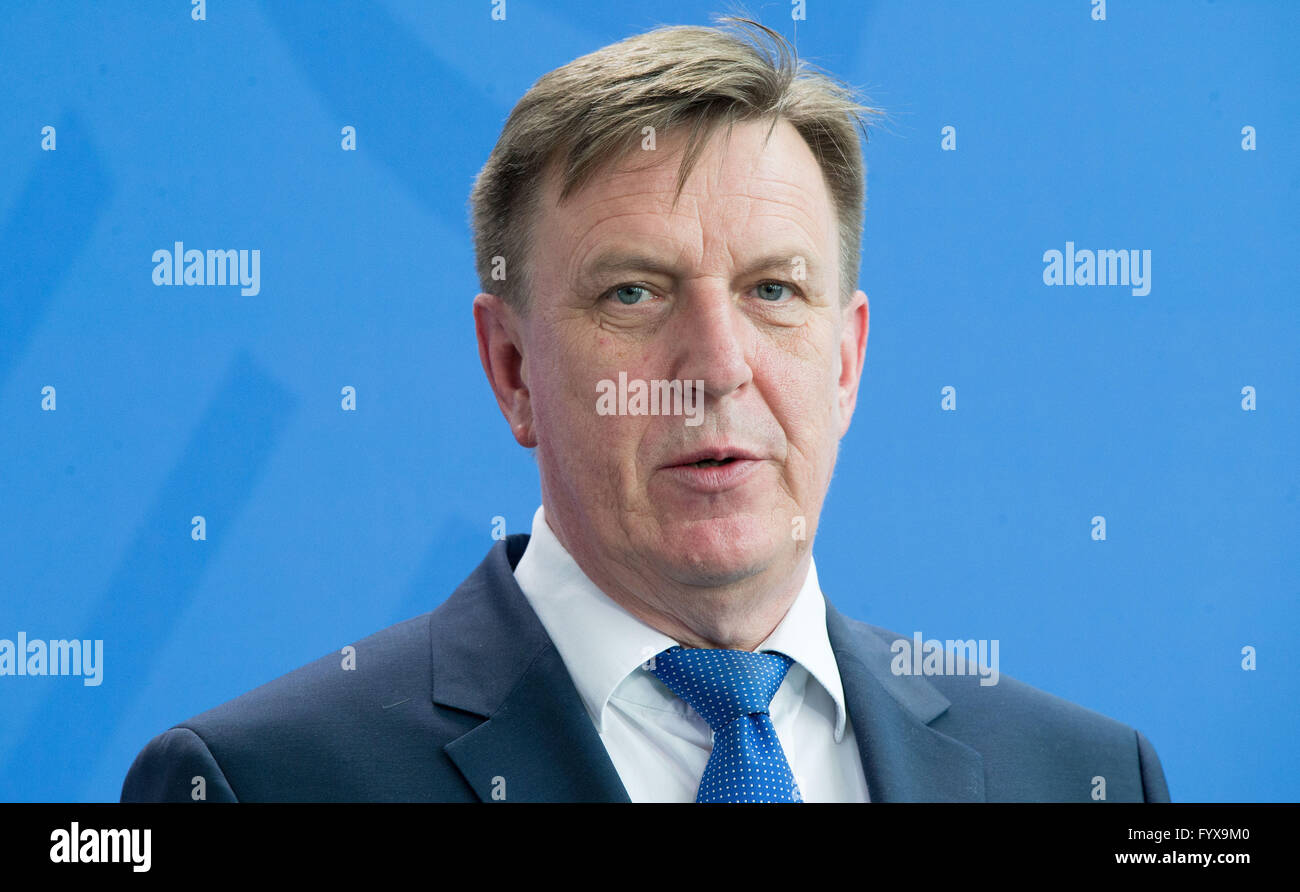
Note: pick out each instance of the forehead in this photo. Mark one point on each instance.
(748, 194)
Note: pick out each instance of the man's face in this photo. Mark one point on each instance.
(736, 287)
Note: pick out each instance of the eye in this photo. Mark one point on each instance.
(772, 291)
(630, 295)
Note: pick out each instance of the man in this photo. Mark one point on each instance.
(668, 235)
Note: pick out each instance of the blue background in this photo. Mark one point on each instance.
(324, 526)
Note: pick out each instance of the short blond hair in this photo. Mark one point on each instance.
(591, 112)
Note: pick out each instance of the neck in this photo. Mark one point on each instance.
(737, 615)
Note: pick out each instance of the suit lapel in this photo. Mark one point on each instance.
(903, 758)
(492, 657)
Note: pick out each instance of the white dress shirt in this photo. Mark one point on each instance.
(659, 745)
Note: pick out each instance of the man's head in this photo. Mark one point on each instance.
(595, 111)
(679, 207)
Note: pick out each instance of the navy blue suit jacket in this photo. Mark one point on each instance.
(474, 697)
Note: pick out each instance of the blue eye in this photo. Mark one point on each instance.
(621, 292)
(765, 291)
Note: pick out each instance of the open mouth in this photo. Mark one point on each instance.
(715, 470)
(710, 462)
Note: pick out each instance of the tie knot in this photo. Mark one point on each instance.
(722, 685)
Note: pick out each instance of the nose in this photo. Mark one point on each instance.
(713, 339)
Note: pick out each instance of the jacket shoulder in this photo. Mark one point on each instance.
(356, 724)
(392, 661)
(1036, 745)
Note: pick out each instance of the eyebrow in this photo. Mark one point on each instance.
(610, 263)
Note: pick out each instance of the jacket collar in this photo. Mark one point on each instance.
(490, 656)
(904, 759)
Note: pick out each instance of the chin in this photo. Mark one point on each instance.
(722, 550)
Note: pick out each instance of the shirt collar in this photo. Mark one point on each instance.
(801, 635)
(575, 613)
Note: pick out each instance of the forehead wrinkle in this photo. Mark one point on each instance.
(704, 182)
(592, 200)
(589, 198)
(812, 243)
(779, 181)
(806, 225)
(797, 202)
(584, 236)
(682, 253)
(705, 186)
(615, 257)
(658, 252)
(657, 179)
(787, 193)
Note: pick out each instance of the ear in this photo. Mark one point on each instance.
(500, 349)
(853, 347)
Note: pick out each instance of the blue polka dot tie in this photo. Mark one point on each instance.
(731, 690)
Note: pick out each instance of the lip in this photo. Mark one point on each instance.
(714, 452)
(717, 478)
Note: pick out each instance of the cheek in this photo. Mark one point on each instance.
(596, 450)
(569, 369)
(803, 396)
(801, 390)
(558, 389)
